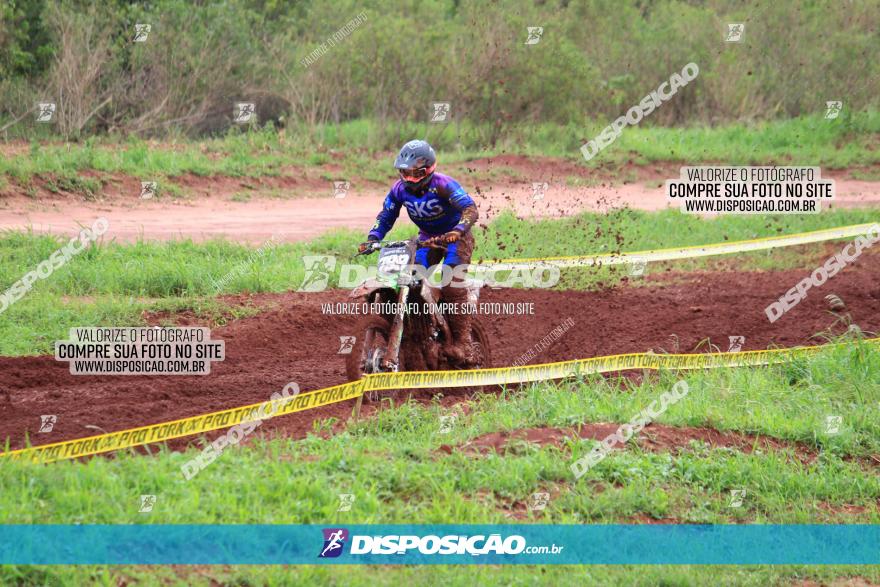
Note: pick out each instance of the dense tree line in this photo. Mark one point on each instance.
(299, 62)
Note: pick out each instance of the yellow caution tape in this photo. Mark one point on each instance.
(92, 445)
(607, 364)
(691, 252)
(143, 435)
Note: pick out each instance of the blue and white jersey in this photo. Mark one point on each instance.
(436, 211)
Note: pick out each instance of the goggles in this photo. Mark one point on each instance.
(416, 174)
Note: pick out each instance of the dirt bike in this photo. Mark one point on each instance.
(402, 339)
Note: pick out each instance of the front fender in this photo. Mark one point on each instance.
(367, 287)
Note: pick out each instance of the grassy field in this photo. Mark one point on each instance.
(393, 462)
(612, 576)
(394, 465)
(113, 284)
(334, 99)
(351, 148)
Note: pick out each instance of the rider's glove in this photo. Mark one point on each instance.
(364, 247)
(452, 236)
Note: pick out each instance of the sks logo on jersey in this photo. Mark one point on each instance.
(334, 542)
(425, 209)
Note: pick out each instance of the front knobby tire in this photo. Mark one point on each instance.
(374, 334)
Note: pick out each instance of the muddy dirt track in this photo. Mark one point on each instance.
(292, 340)
(297, 206)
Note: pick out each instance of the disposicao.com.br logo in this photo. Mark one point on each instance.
(334, 542)
(452, 544)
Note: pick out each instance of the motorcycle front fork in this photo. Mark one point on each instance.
(392, 354)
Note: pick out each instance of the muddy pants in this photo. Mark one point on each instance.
(457, 253)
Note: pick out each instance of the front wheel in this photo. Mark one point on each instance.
(368, 352)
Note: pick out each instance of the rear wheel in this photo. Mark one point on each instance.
(482, 349)
(482, 357)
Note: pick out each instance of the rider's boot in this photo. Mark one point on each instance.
(461, 349)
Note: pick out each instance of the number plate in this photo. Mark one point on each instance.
(392, 262)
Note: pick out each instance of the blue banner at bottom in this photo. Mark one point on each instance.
(440, 544)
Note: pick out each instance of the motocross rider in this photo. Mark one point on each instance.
(445, 213)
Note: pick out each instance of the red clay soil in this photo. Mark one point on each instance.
(297, 204)
(654, 437)
(294, 341)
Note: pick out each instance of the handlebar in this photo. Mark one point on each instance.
(437, 242)
(374, 246)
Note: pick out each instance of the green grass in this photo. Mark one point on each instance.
(113, 284)
(393, 464)
(625, 230)
(837, 143)
(868, 175)
(391, 461)
(453, 576)
(355, 145)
